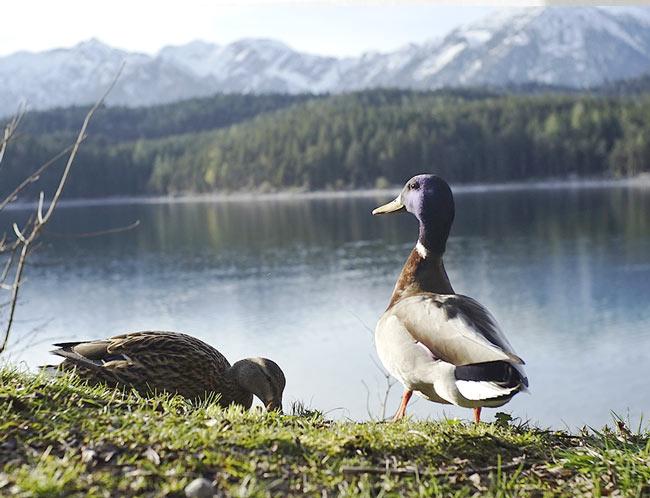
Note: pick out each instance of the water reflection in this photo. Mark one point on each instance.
(566, 273)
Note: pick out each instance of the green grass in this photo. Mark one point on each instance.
(59, 437)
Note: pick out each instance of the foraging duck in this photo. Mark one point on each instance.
(444, 346)
(175, 363)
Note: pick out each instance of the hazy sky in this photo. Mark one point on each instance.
(343, 28)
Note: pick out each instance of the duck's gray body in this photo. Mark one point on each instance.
(444, 346)
(432, 347)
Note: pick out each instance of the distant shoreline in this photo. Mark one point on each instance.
(641, 181)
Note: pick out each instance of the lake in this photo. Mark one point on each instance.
(303, 281)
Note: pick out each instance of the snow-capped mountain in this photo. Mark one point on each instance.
(256, 65)
(568, 46)
(64, 77)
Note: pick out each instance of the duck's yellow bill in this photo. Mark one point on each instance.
(391, 207)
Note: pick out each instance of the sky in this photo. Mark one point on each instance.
(327, 28)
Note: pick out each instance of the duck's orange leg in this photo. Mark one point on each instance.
(402, 408)
(477, 415)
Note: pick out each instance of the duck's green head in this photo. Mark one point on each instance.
(429, 199)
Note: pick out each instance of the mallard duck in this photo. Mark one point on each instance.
(175, 363)
(444, 346)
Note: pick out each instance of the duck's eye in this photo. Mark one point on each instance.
(414, 185)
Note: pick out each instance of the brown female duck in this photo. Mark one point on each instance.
(176, 363)
(444, 346)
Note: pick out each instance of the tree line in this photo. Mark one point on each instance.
(358, 140)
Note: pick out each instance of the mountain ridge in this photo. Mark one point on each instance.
(566, 46)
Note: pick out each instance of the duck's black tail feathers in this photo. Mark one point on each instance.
(493, 380)
(501, 372)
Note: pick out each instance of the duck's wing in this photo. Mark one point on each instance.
(164, 361)
(89, 360)
(167, 348)
(455, 328)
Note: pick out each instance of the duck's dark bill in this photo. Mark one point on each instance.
(391, 207)
(274, 406)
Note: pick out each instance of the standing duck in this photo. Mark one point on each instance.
(444, 346)
(175, 363)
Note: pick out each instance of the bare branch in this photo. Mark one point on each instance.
(33, 177)
(27, 237)
(14, 295)
(26, 339)
(75, 148)
(368, 410)
(10, 129)
(5, 270)
(19, 234)
(382, 397)
(39, 211)
(98, 233)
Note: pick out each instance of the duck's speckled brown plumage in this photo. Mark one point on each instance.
(155, 361)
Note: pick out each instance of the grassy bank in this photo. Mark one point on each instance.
(60, 437)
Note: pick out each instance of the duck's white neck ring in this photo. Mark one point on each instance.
(422, 251)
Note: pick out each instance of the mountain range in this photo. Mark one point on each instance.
(566, 46)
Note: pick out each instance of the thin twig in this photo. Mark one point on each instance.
(39, 210)
(80, 137)
(29, 335)
(439, 473)
(19, 234)
(10, 129)
(5, 270)
(97, 233)
(382, 399)
(390, 383)
(33, 177)
(14, 295)
(368, 410)
(380, 470)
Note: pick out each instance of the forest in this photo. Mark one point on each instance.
(358, 140)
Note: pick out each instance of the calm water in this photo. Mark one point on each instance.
(566, 273)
